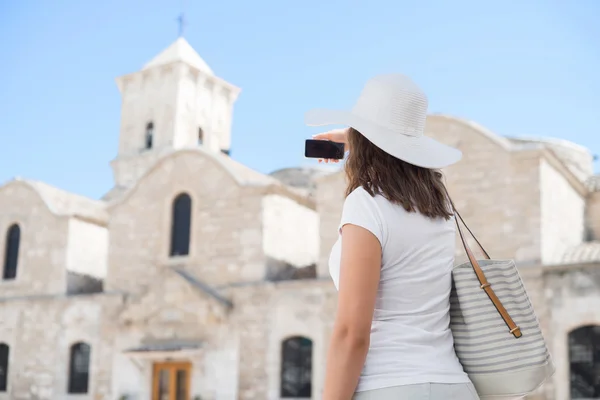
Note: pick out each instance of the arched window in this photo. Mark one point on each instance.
(79, 368)
(4, 350)
(149, 135)
(200, 136)
(181, 222)
(11, 252)
(296, 367)
(584, 362)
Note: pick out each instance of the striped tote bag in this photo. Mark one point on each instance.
(497, 336)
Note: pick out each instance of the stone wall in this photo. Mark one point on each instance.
(573, 295)
(203, 102)
(267, 314)
(240, 356)
(593, 215)
(534, 280)
(87, 248)
(170, 311)
(148, 96)
(226, 233)
(127, 169)
(562, 209)
(289, 231)
(495, 189)
(40, 331)
(43, 243)
(577, 159)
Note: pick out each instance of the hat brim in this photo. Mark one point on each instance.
(421, 151)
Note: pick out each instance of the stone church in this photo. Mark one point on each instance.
(196, 277)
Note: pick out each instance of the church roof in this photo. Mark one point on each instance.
(587, 252)
(300, 177)
(499, 140)
(242, 174)
(576, 158)
(594, 183)
(245, 174)
(180, 51)
(63, 203)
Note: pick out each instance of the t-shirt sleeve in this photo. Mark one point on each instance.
(361, 209)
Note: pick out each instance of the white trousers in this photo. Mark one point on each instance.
(424, 391)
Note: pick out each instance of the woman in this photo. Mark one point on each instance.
(392, 262)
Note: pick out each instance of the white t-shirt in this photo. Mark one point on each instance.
(411, 342)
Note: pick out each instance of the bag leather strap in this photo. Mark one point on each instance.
(485, 285)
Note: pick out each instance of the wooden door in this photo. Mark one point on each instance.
(171, 381)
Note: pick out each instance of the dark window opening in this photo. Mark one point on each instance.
(584, 362)
(181, 222)
(200, 136)
(227, 152)
(4, 351)
(11, 252)
(149, 135)
(296, 367)
(79, 368)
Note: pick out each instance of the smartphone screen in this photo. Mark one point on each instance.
(323, 149)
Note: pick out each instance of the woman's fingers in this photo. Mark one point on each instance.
(326, 160)
(322, 136)
(335, 135)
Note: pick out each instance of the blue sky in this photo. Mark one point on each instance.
(519, 68)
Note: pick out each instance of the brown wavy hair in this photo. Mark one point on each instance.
(415, 188)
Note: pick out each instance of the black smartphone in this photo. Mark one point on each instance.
(323, 149)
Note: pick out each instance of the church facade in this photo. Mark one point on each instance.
(196, 277)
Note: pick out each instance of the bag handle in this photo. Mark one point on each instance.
(485, 285)
(464, 242)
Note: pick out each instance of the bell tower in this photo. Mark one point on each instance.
(175, 102)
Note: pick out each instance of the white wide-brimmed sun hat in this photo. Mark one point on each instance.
(391, 113)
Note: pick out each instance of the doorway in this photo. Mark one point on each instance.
(171, 381)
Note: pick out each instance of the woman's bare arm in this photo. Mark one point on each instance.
(359, 280)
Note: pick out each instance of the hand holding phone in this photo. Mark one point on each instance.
(332, 146)
(323, 149)
(335, 135)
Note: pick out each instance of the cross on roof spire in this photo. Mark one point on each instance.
(181, 19)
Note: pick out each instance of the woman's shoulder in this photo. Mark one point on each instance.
(361, 195)
(358, 193)
(360, 198)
